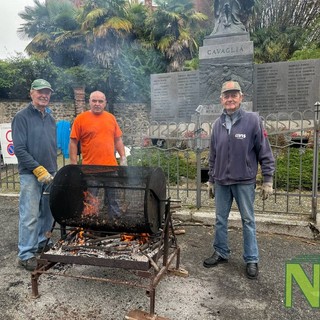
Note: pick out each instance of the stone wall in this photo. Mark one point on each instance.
(66, 111)
(133, 111)
(133, 120)
(60, 110)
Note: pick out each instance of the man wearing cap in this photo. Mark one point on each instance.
(34, 139)
(238, 144)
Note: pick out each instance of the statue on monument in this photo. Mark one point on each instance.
(229, 15)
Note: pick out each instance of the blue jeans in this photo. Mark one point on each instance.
(35, 218)
(244, 195)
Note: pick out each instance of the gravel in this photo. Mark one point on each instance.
(220, 293)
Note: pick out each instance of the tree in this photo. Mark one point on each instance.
(130, 74)
(281, 27)
(307, 53)
(173, 28)
(16, 75)
(285, 13)
(106, 26)
(117, 36)
(55, 32)
(272, 45)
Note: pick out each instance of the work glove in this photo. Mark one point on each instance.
(42, 175)
(123, 161)
(266, 190)
(210, 190)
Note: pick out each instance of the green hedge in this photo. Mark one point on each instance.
(289, 163)
(175, 163)
(294, 166)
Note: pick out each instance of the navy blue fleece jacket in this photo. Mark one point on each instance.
(234, 155)
(34, 140)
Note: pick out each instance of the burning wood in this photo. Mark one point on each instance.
(141, 237)
(127, 237)
(94, 238)
(91, 204)
(80, 242)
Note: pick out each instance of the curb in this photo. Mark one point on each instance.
(291, 225)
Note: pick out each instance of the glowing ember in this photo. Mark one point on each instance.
(91, 204)
(127, 237)
(80, 238)
(141, 237)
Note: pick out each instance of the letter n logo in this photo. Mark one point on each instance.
(296, 275)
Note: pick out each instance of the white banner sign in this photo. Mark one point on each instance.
(7, 149)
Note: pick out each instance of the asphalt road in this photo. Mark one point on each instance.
(219, 293)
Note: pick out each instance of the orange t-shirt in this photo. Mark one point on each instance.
(96, 134)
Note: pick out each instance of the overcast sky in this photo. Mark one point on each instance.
(9, 23)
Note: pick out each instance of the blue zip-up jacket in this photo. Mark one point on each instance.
(34, 140)
(234, 155)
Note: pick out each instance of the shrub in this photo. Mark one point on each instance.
(294, 166)
(175, 163)
(289, 163)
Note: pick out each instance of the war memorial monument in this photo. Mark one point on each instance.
(227, 54)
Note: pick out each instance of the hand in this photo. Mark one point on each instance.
(123, 161)
(266, 190)
(42, 175)
(210, 189)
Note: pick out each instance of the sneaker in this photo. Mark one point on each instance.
(45, 248)
(29, 264)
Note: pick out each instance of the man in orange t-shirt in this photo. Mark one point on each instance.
(98, 133)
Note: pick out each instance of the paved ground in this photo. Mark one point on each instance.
(219, 293)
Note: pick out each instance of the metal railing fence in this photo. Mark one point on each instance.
(182, 149)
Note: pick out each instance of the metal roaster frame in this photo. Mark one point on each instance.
(153, 269)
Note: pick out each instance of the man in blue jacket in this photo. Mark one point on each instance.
(34, 140)
(238, 145)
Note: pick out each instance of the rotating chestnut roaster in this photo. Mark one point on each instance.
(113, 199)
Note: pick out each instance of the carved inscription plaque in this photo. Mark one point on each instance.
(286, 86)
(174, 96)
(226, 50)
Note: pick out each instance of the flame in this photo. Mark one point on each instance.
(80, 238)
(141, 237)
(91, 204)
(127, 237)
